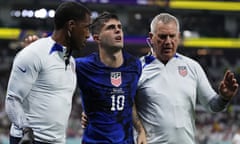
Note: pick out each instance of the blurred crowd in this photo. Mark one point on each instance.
(217, 128)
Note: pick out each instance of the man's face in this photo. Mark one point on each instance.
(165, 40)
(111, 35)
(81, 32)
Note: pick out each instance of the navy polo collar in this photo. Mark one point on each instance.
(56, 47)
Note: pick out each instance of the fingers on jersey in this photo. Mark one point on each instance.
(84, 120)
(28, 137)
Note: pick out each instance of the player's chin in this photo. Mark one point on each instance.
(119, 45)
(82, 45)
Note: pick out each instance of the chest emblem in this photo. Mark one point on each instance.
(182, 70)
(116, 79)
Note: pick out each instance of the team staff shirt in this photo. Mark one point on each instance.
(166, 98)
(108, 96)
(44, 86)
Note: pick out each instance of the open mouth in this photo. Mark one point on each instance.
(118, 38)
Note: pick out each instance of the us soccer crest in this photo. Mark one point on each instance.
(182, 70)
(116, 79)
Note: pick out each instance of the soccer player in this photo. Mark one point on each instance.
(43, 80)
(170, 86)
(108, 82)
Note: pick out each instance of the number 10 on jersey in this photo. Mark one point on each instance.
(117, 102)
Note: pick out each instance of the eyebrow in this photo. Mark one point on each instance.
(113, 25)
(164, 36)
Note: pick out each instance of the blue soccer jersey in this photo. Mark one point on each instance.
(107, 97)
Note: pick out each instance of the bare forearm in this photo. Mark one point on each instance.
(136, 121)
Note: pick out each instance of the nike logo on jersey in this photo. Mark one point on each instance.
(22, 69)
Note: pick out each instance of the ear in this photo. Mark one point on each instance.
(179, 38)
(150, 36)
(179, 35)
(71, 25)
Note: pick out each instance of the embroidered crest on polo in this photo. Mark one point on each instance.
(116, 79)
(182, 70)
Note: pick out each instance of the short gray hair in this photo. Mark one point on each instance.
(165, 18)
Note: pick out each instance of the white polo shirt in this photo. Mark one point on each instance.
(167, 96)
(45, 88)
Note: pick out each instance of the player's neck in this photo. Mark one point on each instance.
(113, 60)
(58, 36)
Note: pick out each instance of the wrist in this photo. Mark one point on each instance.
(224, 98)
(28, 137)
(141, 131)
(27, 129)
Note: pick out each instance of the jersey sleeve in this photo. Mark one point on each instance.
(205, 92)
(24, 72)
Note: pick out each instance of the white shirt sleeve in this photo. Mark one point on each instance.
(205, 91)
(24, 72)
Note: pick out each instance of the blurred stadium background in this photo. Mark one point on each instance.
(210, 34)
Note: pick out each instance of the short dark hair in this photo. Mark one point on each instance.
(99, 21)
(69, 11)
